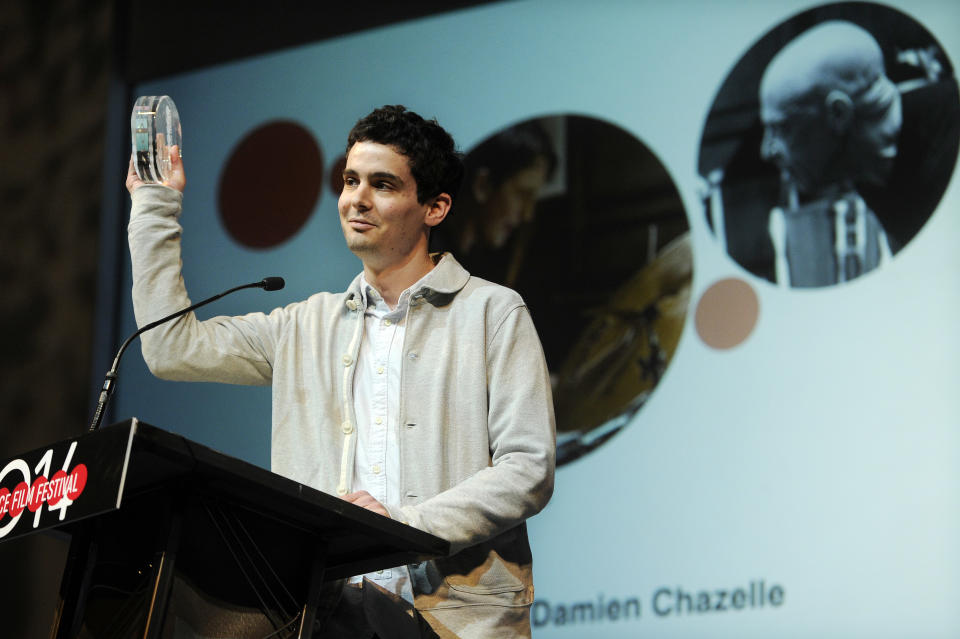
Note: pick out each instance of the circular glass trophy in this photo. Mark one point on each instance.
(154, 128)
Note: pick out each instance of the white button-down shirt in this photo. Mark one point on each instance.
(376, 403)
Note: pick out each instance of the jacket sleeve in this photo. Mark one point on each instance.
(237, 350)
(518, 482)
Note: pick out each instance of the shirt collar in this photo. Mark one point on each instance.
(437, 287)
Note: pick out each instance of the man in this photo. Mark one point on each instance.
(503, 178)
(420, 393)
(831, 118)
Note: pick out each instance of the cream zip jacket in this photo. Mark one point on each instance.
(477, 434)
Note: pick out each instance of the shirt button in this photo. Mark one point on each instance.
(379, 420)
(387, 322)
(380, 370)
(376, 469)
(351, 305)
(412, 355)
(347, 360)
(347, 427)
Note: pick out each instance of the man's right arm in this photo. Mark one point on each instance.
(238, 350)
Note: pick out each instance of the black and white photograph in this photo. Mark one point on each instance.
(830, 144)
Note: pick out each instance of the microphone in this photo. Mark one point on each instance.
(271, 283)
(110, 380)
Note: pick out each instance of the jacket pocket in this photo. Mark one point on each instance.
(496, 572)
(489, 578)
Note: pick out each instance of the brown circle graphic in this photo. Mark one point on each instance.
(270, 184)
(584, 221)
(727, 313)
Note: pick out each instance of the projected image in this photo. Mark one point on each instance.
(830, 144)
(583, 220)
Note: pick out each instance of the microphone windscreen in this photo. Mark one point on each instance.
(272, 283)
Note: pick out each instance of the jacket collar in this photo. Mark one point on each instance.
(438, 287)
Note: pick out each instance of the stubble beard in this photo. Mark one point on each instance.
(359, 245)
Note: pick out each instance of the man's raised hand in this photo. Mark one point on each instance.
(176, 179)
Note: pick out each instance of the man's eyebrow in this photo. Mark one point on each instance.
(386, 175)
(377, 175)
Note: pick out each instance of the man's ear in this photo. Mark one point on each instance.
(839, 110)
(439, 206)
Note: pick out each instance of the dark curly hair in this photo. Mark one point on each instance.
(434, 161)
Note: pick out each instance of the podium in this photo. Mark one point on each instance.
(173, 540)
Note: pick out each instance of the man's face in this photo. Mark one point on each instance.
(512, 203)
(381, 218)
(878, 141)
(799, 141)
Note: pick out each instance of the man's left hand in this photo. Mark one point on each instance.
(365, 500)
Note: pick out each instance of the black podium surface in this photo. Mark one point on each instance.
(171, 533)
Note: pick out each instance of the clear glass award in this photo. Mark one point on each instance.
(154, 128)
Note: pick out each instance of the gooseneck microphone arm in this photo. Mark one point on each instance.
(110, 380)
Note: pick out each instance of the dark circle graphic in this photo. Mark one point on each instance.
(584, 221)
(270, 184)
(830, 144)
(727, 313)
